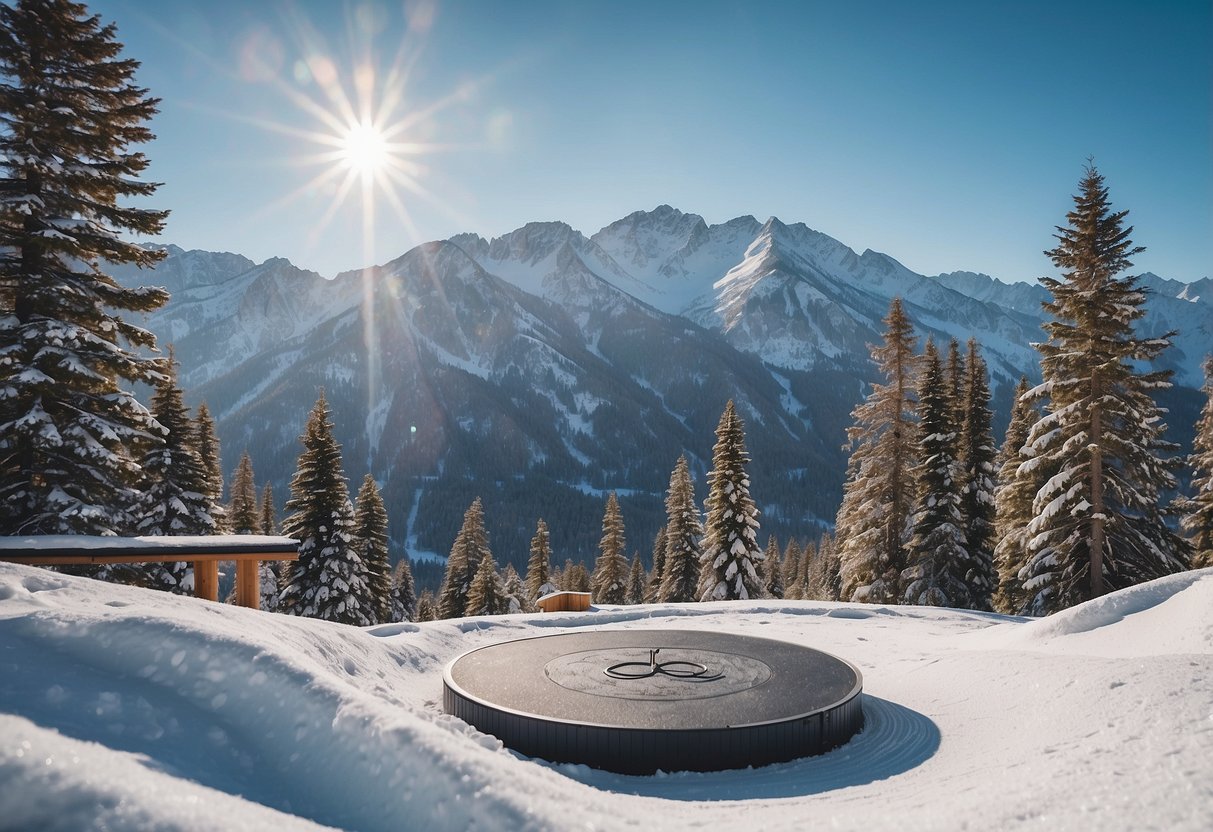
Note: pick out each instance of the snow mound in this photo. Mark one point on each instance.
(1172, 615)
(125, 708)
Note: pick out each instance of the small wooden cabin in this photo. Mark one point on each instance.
(564, 602)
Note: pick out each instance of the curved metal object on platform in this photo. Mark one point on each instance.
(756, 701)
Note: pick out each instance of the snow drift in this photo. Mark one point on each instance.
(124, 708)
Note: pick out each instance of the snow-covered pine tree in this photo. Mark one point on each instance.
(576, 577)
(174, 501)
(938, 562)
(976, 455)
(1098, 523)
(811, 575)
(831, 566)
(206, 443)
(1197, 511)
(610, 579)
(956, 372)
(515, 591)
(793, 560)
(427, 607)
(329, 580)
(371, 543)
(539, 565)
(636, 581)
(267, 522)
(70, 435)
(772, 569)
(731, 554)
(470, 547)
(873, 521)
(404, 593)
(268, 586)
(684, 531)
(269, 570)
(1017, 485)
(652, 592)
(242, 509)
(487, 595)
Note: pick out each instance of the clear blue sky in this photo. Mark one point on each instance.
(947, 134)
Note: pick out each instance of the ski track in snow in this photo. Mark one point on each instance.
(125, 708)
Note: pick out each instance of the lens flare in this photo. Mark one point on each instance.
(364, 149)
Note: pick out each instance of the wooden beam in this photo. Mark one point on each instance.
(37, 558)
(248, 583)
(206, 579)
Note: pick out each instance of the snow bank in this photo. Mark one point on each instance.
(124, 708)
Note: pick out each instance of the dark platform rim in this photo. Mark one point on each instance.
(449, 682)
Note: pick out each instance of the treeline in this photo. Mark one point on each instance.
(1073, 505)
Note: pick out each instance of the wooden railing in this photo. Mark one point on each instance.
(247, 550)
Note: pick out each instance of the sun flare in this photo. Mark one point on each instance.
(364, 148)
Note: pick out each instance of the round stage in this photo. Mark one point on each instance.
(635, 701)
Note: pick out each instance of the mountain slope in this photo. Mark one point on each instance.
(543, 368)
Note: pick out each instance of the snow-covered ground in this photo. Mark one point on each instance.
(126, 709)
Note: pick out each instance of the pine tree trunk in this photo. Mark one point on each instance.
(1097, 502)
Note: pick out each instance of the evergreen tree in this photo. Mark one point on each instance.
(515, 592)
(268, 520)
(564, 574)
(576, 578)
(938, 560)
(487, 595)
(957, 381)
(873, 521)
(206, 443)
(831, 566)
(268, 586)
(1019, 478)
(772, 569)
(470, 547)
(1098, 524)
(538, 568)
(812, 575)
(636, 582)
(977, 455)
(680, 573)
(1197, 510)
(70, 435)
(610, 580)
(404, 593)
(731, 554)
(242, 510)
(329, 580)
(652, 592)
(427, 607)
(174, 500)
(793, 559)
(270, 570)
(371, 543)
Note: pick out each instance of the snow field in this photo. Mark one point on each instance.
(125, 708)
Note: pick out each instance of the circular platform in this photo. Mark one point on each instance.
(635, 701)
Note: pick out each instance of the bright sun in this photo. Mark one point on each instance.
(364, 148)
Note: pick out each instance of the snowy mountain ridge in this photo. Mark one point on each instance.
(549, 367)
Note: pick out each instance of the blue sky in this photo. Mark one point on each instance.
(949, 135)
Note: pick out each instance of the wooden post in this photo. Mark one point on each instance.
(248, 583)
(206, 579)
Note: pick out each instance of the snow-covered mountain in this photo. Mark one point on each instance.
(543, 368)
